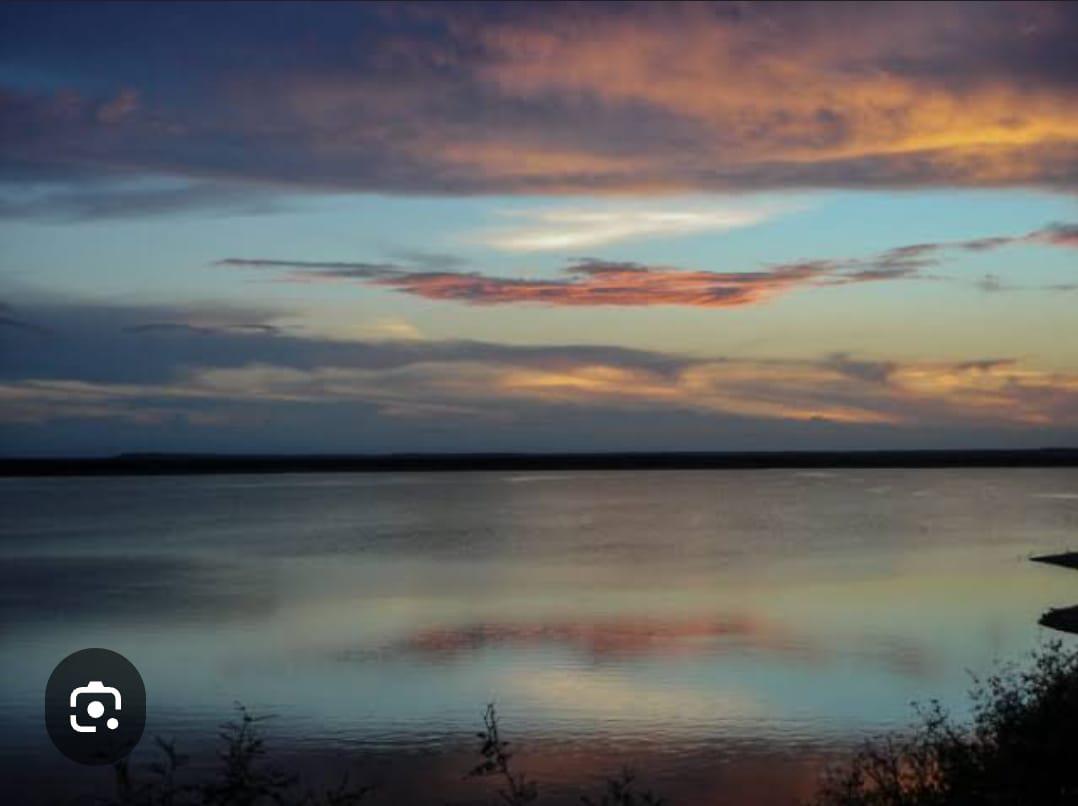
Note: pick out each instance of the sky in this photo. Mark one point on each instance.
(537, 227)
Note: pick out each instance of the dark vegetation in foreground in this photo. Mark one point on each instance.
(1021, 749)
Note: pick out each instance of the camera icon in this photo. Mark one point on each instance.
(92, 694)
(95, 706)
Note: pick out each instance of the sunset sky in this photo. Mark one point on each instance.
(264, 228)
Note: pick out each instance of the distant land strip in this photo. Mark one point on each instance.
(154, 464)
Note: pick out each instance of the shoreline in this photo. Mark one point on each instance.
(1062, 619)
(155, 464)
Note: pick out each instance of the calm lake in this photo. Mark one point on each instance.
(723, 632)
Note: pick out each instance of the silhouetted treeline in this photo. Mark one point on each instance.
(173, 463)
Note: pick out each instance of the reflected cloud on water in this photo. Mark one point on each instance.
(701, 626)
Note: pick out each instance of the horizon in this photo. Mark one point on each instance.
(529, 228)
(173, 464)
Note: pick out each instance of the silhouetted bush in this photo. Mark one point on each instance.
(1021, 749)
(517, 789)
(244, 777)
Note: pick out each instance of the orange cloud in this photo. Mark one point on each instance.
(200, 364)
(620, 284)
(593, 282)
(780, 95)
(599, 283)
(599, 98)
(837, 389)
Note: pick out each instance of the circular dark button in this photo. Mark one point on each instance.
(95, 706)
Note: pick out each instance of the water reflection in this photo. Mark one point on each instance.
(612, 640)
(707, 624)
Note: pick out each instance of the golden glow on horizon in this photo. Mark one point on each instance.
(838, 389)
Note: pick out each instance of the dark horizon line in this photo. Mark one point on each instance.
(156, 464)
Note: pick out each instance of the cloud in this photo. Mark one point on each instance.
(588, 282)
(992, 284)
(422, 259)
(104, 378)
(318, 268)
(598, 98)
(204, 330)
(871, 371)
(854, 95)
(591, 282)
(388, 328)
(843, 391)
(581, 228)
(99, 200)
(220, 368)
(154, 344)
(1056, 234)
(9, 321)
(120, 107)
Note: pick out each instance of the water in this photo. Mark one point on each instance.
(723, 631)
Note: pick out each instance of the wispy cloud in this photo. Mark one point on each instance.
(834, 389)
(593, 282)
(584, 227)
(220, 369)
(590, 282)
(1058, 234)
(96, 200)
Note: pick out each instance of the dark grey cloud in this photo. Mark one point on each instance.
(319, 268)
(992, 284)
(985, 364)
(17, 324)
(1059, 234)
(185, 327)
(97, 199)
(462, 99)
(873, 371)
(157, 344)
